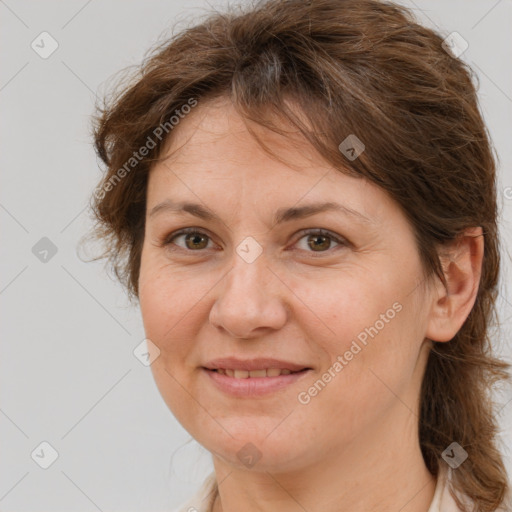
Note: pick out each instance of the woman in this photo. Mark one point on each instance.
(301, 196)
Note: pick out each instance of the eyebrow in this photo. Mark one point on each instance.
(281, 215)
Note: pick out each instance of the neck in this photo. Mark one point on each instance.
(380, 470)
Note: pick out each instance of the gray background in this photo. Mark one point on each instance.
(67, 369)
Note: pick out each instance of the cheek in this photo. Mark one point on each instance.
(368, 328)
(165, 294)
(345, 308)
(169, 307)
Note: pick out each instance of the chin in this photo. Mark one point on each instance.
(255, 450)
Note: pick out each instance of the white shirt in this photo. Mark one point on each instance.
(442, 501)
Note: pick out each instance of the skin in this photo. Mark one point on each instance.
(356, 442)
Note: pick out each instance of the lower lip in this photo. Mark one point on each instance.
(253, 386)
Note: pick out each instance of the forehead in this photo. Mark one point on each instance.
(212, 157)
(215, 131)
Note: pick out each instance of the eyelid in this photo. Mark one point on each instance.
(340, 240)
(167, 240)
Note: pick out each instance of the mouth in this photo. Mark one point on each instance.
(246, 367)
(254, 378)
(251, 374)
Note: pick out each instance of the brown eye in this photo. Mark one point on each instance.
(321, 241)
(318, 241)
(193, 240)
(196, 241)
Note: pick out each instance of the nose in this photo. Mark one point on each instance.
(250, 300)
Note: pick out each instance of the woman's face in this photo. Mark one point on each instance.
(348, 304)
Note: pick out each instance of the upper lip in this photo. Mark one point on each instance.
(259, 363)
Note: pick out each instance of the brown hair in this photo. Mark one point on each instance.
(361, 67)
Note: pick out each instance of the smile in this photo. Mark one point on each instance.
(253, 383)
(244, 374)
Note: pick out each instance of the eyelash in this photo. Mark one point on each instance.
(168, 240)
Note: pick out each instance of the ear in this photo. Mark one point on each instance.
(462, 266)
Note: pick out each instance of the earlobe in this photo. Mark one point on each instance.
(462, 267)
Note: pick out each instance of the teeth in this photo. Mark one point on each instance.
(244, 374)
(257, 373)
